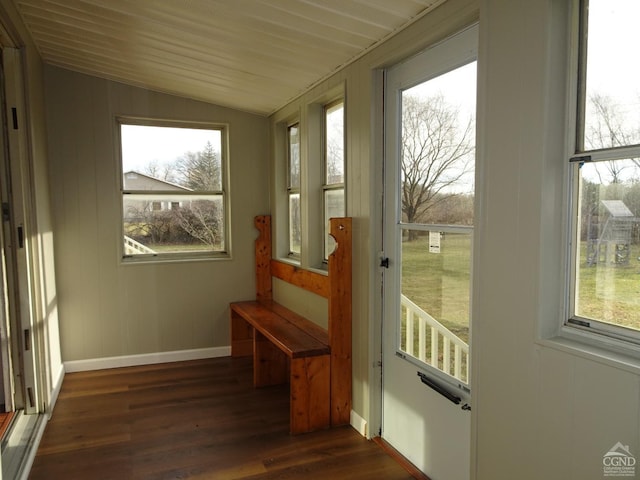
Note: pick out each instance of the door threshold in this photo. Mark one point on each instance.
(414, 471)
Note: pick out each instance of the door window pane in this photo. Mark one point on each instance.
(437, 203)
(435, 299)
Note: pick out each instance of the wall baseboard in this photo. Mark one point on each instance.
(145, 359)
(359, 423)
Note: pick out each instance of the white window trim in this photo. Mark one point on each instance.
(598, 342)
(295, 256)
(326, 187)
(308, 112)
(224, 192)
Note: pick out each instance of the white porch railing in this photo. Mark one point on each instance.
(131, 247)
(430, 350)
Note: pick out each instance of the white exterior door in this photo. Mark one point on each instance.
(428, 230)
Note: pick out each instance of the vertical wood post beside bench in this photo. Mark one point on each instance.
(288, 347)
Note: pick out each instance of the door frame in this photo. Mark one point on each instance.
(438, 35)
(20, 236)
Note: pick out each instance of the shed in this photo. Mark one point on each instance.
(609, 239)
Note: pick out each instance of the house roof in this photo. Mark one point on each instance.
(134, 180)
(617, 208)
(252, 55)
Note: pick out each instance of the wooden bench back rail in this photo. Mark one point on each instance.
(288, 331)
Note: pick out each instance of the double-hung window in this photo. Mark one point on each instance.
(173, 189)
(333, 185)
(293, 190)
(605, 173)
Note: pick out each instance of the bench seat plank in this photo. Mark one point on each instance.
(281, 331)
(315, 330)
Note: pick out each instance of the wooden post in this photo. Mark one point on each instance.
(241, 336)
(269, 363)
(264, 289)
(309, 394)
(340, 321)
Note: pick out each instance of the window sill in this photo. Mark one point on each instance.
(169, 258)
(597, 348)
(298, 264)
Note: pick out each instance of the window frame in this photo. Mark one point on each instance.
(617, 337)
(331, 187)
(173, 196)
(293, 190)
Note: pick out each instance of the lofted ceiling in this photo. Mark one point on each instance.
(252, 55)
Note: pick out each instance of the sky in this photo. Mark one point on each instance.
(613, 48)
(459, 89)
(458, 86)
(142, 145)
(613, 70)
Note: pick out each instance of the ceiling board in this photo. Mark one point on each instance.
(252, 55)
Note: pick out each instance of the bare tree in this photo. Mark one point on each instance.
(437, 153)
(607, 128)
(164, 171)
(200, 171)
(202, 221)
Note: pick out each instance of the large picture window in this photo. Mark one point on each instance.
(173, 190)
(605, 172)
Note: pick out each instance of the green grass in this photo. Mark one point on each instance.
(439, 282)
(611, 293)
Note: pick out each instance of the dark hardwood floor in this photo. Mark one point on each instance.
(197, 420)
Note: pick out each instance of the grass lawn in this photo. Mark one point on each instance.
(439, 284)
(611, 293)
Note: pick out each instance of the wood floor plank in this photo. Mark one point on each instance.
(193, 420)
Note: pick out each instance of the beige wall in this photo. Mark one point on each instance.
(544, 406)
(108, 309)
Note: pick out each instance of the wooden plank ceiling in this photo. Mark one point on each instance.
(252, 55)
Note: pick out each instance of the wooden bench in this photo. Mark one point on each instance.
(287, 347)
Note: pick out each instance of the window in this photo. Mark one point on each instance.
(333, 185)
(293, 189)
(174, 203)
(605, 173)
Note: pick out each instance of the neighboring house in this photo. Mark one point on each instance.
(137, 182)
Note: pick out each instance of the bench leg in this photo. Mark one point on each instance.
(310, 393)
(269, 363)
(241, 336)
